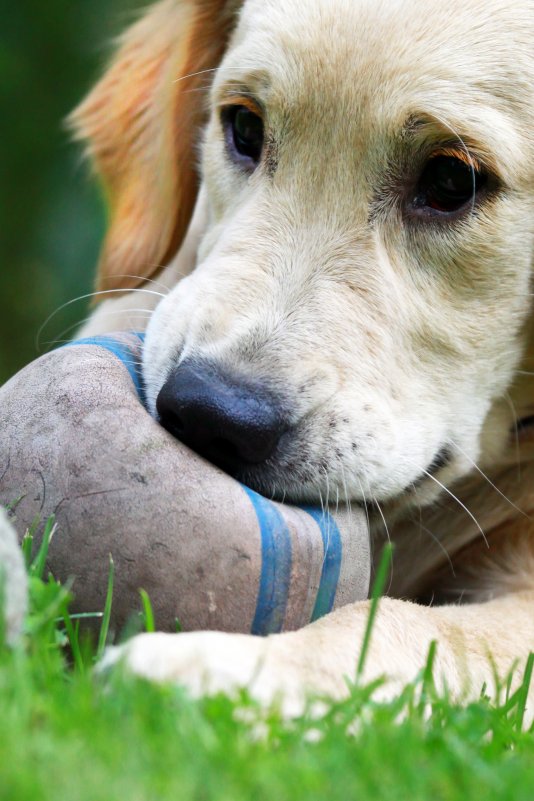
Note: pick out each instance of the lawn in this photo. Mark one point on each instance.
(69, 735)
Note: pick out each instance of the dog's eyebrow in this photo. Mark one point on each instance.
(458, 152)
(448, 137)
(440, 135)
(231, 87)
(236, 97)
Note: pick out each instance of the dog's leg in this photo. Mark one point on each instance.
(476, 643)
(13, 581)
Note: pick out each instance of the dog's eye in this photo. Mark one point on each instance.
(447, 184)
(244, 132)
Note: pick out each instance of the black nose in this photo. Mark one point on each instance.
(230, 421)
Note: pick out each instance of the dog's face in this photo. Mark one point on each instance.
(366, 244)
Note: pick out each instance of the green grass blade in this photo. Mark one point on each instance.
(376, 593)
(38, 565)
(74, 641)
(104, 628)
(11, 507)
(27, 543)
(523, 692)
(148, 614)
(27, 548)
(428, 686)
(3, 627)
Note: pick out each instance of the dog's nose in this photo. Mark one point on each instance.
(230, 421)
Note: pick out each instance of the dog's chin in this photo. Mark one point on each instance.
(313, 484)
(304, 486)
(300, 488)
(300, 473)
(306, 480)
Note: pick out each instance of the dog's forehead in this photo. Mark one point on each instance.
(375, 39)
(407, 28)
(383, 61)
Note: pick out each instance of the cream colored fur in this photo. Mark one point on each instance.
(393, 336)
(13, 582)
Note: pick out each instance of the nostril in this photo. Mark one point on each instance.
(222, 451)
(173, 423)
(229, 420)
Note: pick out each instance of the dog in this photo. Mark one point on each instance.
(325, 210)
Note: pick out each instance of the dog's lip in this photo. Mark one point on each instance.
(254, 477)
(523, 428)
(440, 460)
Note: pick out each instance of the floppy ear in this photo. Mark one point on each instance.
(140, 124)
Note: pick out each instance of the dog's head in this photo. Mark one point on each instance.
(359, 257)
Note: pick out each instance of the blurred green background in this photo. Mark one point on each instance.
(51, 217)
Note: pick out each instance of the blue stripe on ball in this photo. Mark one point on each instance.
(124, 353)
(333, 553)
(275, 566)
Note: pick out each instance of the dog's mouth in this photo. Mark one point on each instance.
(441, 460)
(244, 428)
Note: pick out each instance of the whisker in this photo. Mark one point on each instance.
(157, 266)
(458, 501)
(346, 491)
(321, 500)
(194, 74)
(441, 546)
(434, 537)
(321, 503)
(59, 338)
(200, 89)
(203, 72)
(324, 507)
(515, 417)
(490, 482)
(364, 503)
(375, 501)
(86, 297)
(468, 155)
(144, 279)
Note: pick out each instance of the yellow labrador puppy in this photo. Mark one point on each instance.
(336, 197)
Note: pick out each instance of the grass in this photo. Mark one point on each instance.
(69, 735)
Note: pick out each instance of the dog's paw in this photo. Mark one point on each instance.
(207, 663)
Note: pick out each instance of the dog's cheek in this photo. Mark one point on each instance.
(224, 183)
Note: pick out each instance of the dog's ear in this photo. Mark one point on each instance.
(140, 123)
